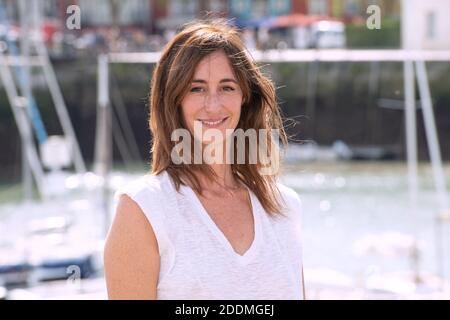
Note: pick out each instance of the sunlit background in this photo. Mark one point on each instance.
(363, 85)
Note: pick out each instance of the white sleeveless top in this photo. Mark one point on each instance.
(198, 262)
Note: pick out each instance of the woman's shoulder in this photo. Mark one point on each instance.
(152, 193)
(145, 185)
(288, 193)
(290, 197)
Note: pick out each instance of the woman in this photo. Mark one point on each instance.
(220, 229)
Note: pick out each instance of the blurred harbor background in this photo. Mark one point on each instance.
(367, 157)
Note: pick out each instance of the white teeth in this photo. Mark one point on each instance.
(213, 122)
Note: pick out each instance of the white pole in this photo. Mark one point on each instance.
(103, 81)
(103, 139)
(55, 92)
(18, 105)
(411, 144)
(435, 155)
(313, 73)
(25, 88)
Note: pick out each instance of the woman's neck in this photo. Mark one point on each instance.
(225, 178)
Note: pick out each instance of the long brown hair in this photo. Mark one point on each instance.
(170, 82)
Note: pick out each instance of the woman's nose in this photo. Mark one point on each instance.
(212, 101)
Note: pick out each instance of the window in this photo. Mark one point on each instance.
(259, 8)
(218, 5)
(183, 8)
(431, 25)
(352, 8)
(319, 7)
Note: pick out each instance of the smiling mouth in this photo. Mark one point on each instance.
(213, 123)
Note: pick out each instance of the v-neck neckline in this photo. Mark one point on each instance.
(201, 210)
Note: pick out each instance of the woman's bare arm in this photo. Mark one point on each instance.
(131, 256)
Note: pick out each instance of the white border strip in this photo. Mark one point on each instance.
(292, 55)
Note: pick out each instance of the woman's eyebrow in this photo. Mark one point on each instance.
(221, 81)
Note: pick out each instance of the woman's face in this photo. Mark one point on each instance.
(214, 98)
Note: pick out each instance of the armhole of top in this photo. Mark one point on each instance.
(151, 205)
(292, 200)
(295, 206)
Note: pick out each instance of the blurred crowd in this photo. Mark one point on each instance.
(71, 45)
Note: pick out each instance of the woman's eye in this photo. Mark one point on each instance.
(228, 88)
(196, 89)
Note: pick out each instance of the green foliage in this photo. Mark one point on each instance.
(389, 36)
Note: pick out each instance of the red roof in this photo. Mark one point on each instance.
(299, 20)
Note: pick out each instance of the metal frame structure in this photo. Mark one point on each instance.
(412, 60)
(21, 101)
